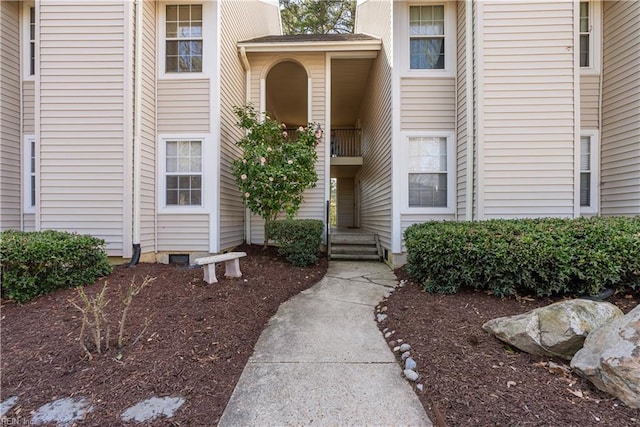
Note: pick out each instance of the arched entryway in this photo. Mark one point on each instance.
(287, 97)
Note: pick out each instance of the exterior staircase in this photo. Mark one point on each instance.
(353, 244)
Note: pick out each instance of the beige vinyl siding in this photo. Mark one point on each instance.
(620, 138)
(29, 222)
(184, 106)
(461, 111)
(258, 19)
(527, 133)
(10, 166)
(374, 17)
(427, 103)
(82, 123)
(313, 206)
(183, 233)
(28, 107)
(589, 93)
(148, 129)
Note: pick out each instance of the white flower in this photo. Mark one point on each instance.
(271, 178)
(243, 176)
(246, 195)
(290, 162)
(285, 134)
(300, 129)
(269, 149)
(244, 161)
(284, 178)
(263, 160)
(284, 126)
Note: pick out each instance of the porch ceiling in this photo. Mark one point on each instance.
(348, 84)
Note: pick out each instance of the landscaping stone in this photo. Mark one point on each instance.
(405, 347)
(64, 412)
(410, 375)
(410, 364)
(153, 408)
(7, 404)
(610, 358)
(557, 330)
(381, 317)
(405, 355)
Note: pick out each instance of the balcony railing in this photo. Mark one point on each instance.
(345, 142)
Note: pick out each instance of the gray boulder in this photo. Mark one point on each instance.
(557, 330)
(610, 358)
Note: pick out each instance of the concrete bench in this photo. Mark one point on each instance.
(231, 265)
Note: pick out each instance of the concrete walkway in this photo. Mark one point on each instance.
(322, 360)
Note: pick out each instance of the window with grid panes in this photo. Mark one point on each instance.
(184, 43)
(183, 173)
(426, 37)
(428, 173)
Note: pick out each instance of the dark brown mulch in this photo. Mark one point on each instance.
(473, 379)
(200, 336)
(197, 342)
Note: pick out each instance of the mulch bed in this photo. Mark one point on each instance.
(199, 338)
(472, 379)
(196, 344)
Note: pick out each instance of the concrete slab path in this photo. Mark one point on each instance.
(322, 360)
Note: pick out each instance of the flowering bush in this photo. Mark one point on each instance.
(274, 170)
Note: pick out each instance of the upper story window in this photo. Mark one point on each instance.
(430, 172)
(426, 37)
(28, 35)
(183, 38)
(585, 34)
(32, 41)
(589, 34)
(426, 32)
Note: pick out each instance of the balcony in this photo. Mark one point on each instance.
(346, 147)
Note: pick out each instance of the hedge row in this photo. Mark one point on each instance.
(298, 239)
(36, 263)
(541, 256)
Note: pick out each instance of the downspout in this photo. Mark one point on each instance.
(470, 101)
(21, 132)
(247, 97)
(137, 149)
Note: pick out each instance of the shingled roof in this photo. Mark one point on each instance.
(310, 38)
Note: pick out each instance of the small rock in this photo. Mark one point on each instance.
(381, 317)
(406, 355)
(396, 349)
(410, 364)
(410, 375)
(420, 387)
(383, 309)
(400, 340)
(385, 330)
(392, 343)
(404, 347)
(387, 335)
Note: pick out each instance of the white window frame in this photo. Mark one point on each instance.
(594, 166)
(209, 46)
(205, 174)
(450, 41)
(451, 172)
(27, 173)
(26, 41)
(595, 38)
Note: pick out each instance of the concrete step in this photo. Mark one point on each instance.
(353, 249)
(355, 256)
(353, 239)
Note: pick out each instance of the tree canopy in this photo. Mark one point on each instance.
(317, 16)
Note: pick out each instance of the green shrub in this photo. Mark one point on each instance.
(298, 239)
(542, 256)
(36, 263)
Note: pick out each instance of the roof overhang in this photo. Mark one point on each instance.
(279, 44)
